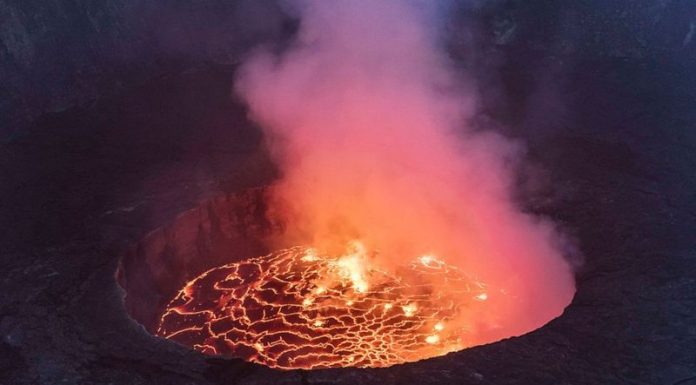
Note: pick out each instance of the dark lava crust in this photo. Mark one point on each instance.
(610, 119)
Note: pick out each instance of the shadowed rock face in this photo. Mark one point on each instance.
(225, 229)
(614, 135)
(59, 54)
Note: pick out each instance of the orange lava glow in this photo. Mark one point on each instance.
(297, 308)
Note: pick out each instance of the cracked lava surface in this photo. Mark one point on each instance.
(298, 309)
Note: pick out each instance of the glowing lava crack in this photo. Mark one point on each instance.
(297, 309)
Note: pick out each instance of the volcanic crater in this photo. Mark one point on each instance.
(295, 308)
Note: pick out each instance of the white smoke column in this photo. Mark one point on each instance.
(367, 120)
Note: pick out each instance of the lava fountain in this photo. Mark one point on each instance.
(297, 308)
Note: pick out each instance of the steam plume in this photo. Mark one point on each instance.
(367, 119)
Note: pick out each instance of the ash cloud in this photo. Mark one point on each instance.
(368, 120)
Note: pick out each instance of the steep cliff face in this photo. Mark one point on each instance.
(61, 53)
(56, 54)
(637, 28)
(221, 230)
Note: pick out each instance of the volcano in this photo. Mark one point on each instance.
(110, 206)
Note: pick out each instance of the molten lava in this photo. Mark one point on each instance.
(296, 308)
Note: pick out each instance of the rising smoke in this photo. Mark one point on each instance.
(367, 119)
